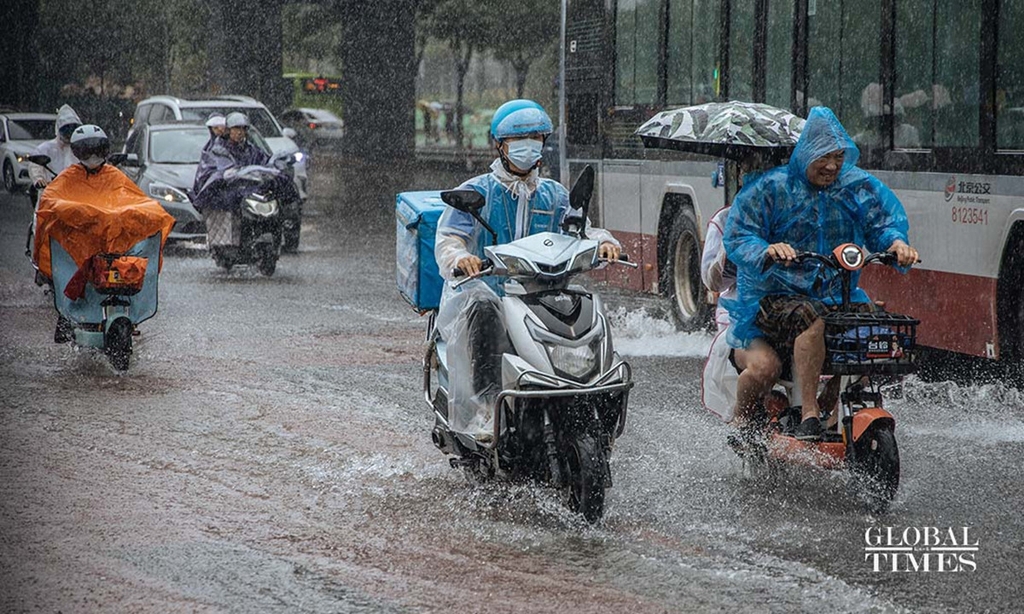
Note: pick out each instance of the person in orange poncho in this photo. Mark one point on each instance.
(93, 208)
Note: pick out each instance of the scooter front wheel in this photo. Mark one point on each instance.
(877, 466)
(586, 465)
(267, 263)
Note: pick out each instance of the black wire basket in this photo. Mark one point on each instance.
(870, 343)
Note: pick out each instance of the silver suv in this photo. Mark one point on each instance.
(165, 109)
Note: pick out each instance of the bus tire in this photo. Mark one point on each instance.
(680, 277)
(1010, 306)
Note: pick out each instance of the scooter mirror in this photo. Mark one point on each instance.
(579, 196)
(118, 159)
(40, 159)
(469, 201)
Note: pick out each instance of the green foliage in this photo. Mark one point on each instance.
(311, 36)
(522, 32)
(118, 42)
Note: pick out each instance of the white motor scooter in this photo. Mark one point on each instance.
(564, 390)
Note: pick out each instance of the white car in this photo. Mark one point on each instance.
(165, 109)
(20, 134)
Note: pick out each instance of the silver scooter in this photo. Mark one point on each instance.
(564, 390)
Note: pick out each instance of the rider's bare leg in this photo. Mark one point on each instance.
(808, 358)
(828, 400)
(760, 369)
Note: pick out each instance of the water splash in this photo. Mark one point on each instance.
(639, 333)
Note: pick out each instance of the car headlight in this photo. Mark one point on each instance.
(577, 362)
(517, 267)
(583, 260)
(167, 193)
(261, 206)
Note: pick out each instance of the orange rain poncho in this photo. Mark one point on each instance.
(101, 213)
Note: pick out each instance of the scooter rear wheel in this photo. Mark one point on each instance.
(119, 344)
(877, 467)
(586, 465)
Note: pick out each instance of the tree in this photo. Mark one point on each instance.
(522, 32)
(312, 36)
(465, 26)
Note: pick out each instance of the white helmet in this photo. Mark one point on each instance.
(216, 119)
(237, 120)
(88, 141)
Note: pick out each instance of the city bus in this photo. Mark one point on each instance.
(932, 91)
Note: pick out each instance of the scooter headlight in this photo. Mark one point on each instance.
(167, 193)
(262, 207)
(517, 267)
(583, 260)
(576, 362)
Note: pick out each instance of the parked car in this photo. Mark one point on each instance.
(164, 166)
(20, 134)
(315, 127)
(164, 109)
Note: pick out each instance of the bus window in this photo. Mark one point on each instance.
(843, 73)
(937, 80)
(1010, 85)
(691, 58)
(741, 51)
(779, 54)
(637, 30)
(680, 52)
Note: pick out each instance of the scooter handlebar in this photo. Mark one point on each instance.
(886, 258)
(484, 265)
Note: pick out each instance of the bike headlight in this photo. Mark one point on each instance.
(517, 266)
(577, 362)
(260, 206)
(583, 260)
(167, 193)
(298, 156)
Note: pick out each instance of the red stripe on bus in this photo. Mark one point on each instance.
(957, 312)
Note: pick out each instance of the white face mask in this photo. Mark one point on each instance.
(524, 153)
(93, 162)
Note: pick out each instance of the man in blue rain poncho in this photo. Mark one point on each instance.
(815, 203)
(519, 203)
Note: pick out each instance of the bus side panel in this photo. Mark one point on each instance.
(620, 213)
(957, 312)
(958, 224)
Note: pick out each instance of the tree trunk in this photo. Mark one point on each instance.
(522, 68)
(461, 68)
(378, 90)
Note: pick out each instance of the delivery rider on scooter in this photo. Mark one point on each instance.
(519, 203)
(821, 199)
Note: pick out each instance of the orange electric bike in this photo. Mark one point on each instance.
(869, 352)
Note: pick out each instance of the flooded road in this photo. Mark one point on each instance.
(269, 451)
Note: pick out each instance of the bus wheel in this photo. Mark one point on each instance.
(681, 274)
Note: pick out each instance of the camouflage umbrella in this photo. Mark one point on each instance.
(732, 130)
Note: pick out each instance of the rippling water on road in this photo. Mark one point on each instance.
(269, 451)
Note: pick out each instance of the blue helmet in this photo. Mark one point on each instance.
(519, 118)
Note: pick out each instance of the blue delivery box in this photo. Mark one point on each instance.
(416, 215)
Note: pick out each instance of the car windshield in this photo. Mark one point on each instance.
(323, 116)
(259, 118)
(31, 129)
(182, 146)
(185, 146)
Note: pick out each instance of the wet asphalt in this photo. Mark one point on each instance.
(269, 451)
